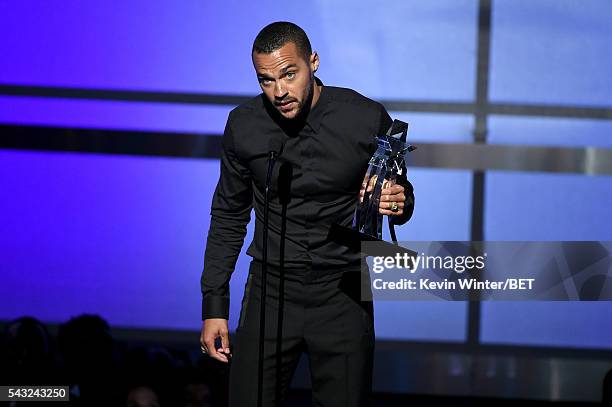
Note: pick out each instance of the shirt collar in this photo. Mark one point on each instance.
(315, 116)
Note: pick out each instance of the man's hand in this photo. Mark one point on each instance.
(212, 329)
(389, 195)
(392, 200)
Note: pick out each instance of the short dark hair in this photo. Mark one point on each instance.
(277, 34)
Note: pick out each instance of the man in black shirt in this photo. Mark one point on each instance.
(328, 136)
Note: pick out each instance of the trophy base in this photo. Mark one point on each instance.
(353, 239)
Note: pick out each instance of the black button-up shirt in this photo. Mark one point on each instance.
(328, 151)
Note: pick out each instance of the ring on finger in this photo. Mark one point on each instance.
(394, 207)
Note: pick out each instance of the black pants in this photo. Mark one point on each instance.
(324, 318)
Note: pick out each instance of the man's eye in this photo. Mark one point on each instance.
(264, 82)
(290, 75)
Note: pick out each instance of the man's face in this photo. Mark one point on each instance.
(286, 78)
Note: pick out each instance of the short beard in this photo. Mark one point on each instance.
(305, 109)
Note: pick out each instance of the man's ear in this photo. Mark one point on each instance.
(314, 61)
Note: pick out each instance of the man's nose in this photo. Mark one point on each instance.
(279, 90)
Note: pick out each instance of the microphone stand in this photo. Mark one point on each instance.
(264, 271)
(284, 187)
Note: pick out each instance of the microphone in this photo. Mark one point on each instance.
(275, 147)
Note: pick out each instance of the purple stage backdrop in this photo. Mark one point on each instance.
(123, 236)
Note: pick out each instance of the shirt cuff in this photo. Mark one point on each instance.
(215, 306)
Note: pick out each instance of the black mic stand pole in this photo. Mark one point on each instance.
(264, 272)
(284, 188)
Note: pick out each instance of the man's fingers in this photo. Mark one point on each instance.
(209, 344)
(392, 190)
(400, 197)
(220, 357)
(212, 351)
(392, 197)
(386, 208)
(389, 205)
(225, 344)
(390, 213)
(371, 183)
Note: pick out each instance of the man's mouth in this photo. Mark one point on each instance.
(286, 106)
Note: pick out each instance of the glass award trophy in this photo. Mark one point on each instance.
(386, 165)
